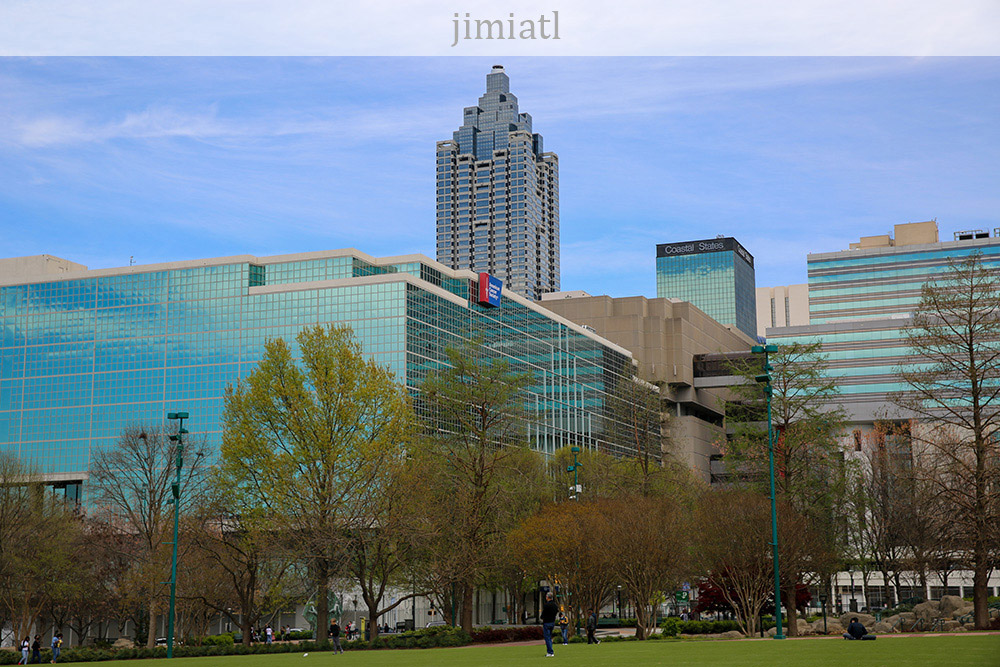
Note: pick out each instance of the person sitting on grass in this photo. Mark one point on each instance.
(857, 631)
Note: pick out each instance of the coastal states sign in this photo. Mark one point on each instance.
(489, 290)
(726, 243)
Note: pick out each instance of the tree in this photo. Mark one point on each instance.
(475, 463)
(651, 551)
(306, 439)
(131, 485)
(37, 535)
(734, 535)
(638, 428)
(955, 391)
(569, 542)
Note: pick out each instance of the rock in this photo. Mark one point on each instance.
(122, 642)
(733, 634)
(969, 626)
(772, 632)
(950, 626)
(834, 628)
(927, 611)
(882, 628)
(867, 620)
(804, 627)
(949, 604)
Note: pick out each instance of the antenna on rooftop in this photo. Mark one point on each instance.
(131, 260)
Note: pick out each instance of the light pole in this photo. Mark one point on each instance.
(854, 600)
(765, 379)
(176, 500)
(575, 469)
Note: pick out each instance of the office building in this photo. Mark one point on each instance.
(784, 306)
(716, 275)
(860, 298)
(85, 354)
(667, 337)
(498, 195)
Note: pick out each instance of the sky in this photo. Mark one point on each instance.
(108, 160)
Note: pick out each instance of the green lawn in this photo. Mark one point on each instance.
(952, 651)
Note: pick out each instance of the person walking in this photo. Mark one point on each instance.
(36, 650)
(592, 627)
(335, 637)
(25, 647)
(549, 611)
(564, 628)
(56, 646)
(268, 634)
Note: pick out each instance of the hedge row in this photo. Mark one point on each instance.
(488, 635)
(425, 638)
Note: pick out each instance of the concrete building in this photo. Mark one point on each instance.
(498, 195)
(666, 337)
(716, 275)
(85, 354)
(785, 306)
(859, 299)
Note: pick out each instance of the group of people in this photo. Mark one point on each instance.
(34, 649)
(551, 615)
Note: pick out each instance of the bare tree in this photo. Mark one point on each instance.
(955, 391)
(131, 482)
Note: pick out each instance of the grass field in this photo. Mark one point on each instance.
(948, 651)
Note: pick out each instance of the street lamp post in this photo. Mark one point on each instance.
(176, 500)
(765, 379)
(575, 469)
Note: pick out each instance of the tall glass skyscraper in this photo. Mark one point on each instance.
(84, 354)
(498, 195)
(716, 275)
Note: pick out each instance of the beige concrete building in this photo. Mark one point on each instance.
(37, 265)
(784, 306)
(664, 336)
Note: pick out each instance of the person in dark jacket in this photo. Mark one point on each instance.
(335, 637)
(549, 612)
(857, 631)
(592, 627)
(36, 650)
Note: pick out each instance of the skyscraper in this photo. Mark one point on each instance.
(716, 275)
(498, 195)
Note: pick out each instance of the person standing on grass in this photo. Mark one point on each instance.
(25, 647)
(56, 646)
(549, 611)
(335, 637)
(564, 628)
(268, 634)
(592, 627)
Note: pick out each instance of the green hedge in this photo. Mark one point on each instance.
(425, 638)
(673, 626)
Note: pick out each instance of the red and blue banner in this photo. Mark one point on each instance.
(489, 290)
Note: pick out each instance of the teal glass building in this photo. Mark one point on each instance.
(716, 275)
(86, 354)
(498, 195)
(860, 298)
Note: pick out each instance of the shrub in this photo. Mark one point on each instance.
(671, 626)
(217, 640)
(489, 635)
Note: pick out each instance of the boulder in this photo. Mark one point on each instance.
(733, 634)
(122, 642)
(834, 628)
(882, 628)
(804, 627)
(951, 626)
(970, 626)
(867, 620)
(772, 632)
(949, 604)
(927, 611)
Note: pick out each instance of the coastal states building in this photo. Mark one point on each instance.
(85, 354)
(716, 275)
(498, 195)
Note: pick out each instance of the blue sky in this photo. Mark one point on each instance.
(181, 158)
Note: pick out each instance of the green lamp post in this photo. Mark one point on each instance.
(765, 379)
(175, 498)
(576, 472)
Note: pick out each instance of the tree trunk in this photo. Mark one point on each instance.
(322, 599)
(467, 607)
(791, 613)
(373, 622)
(980, 592)
(151, 633)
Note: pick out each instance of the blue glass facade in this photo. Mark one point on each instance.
(498, 195)
(858, 301)
(83, 357)
(716, 275)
